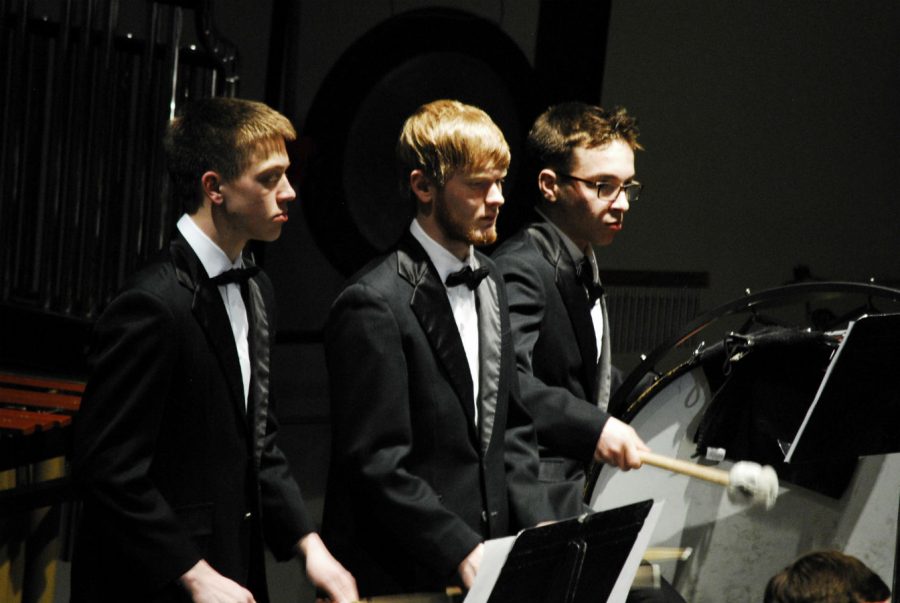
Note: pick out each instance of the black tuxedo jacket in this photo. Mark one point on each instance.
(556, 354)
(414, 485)
(171, 466)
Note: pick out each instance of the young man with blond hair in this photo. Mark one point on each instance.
(432, 450)
(175, 453)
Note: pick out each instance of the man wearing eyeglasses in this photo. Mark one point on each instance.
(584, 160)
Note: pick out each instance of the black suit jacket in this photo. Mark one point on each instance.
(556, 353)
(171, 467)
(414, 485)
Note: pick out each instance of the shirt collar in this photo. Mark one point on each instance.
(214, 260)
(444, 261)
(574, 252)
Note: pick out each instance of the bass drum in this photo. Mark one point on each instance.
(736, 547)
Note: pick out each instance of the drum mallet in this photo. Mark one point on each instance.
(746, 479)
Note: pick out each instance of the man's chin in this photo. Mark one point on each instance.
(604, 239)
(480, 238)
(269, 236)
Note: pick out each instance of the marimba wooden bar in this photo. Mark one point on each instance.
(35, 434)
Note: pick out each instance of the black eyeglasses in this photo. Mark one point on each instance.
(608, 190)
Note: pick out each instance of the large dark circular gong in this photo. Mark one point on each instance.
(349, 185)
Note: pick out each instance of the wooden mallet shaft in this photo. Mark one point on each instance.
(710, 474)
(746, 479)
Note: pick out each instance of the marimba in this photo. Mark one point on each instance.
(35, 434)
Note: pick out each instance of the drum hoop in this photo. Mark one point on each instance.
(769, 298)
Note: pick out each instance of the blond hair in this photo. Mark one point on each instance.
(446, 137)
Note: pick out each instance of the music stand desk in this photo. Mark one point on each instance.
(577, 560)
(856, 411)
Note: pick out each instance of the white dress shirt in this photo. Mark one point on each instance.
(215, 262)
(462, 300)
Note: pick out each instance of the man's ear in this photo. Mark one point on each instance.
(547, 184)
(421, 186)
(211, 183)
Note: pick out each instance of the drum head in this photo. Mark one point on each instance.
(737, 548)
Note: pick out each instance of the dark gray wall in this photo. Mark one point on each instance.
(771, 132)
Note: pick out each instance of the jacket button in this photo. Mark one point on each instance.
(247, 515)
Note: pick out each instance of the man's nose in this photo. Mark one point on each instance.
(621, 201)
(286, 192)
(495, 194)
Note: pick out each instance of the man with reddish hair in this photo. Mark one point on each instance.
(432, 450)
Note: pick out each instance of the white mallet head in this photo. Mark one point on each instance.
(754, 481)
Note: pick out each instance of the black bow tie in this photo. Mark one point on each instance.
(235, 275)
(585, 275)
(466, 276)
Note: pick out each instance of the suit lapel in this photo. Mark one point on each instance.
(259, 344)
(209, 311)
(604, 366)
(432, 309)
(490, 352)
(575, 300)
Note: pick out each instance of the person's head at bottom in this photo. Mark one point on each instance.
(826, 577)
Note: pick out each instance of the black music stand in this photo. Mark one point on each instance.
(577, 560)
(856, 411)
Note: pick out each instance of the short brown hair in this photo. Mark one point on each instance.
(826, 577)
(444, 137)
(219, 134)
(566, 126)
